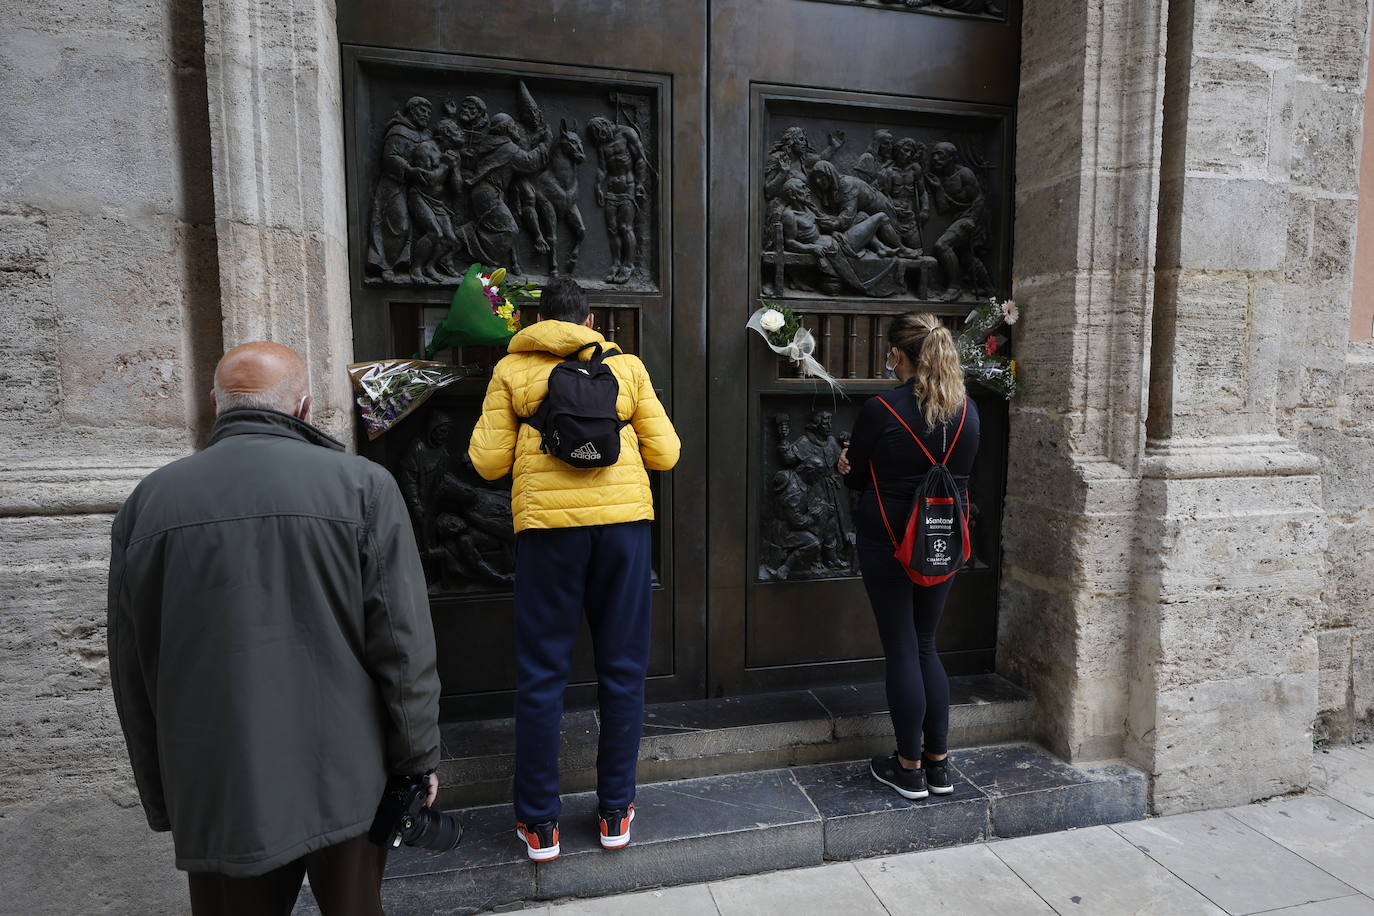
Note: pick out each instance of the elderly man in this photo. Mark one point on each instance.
(271, 650)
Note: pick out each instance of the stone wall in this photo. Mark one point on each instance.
(1167, 578)
(109, 326)
(1326, 384)
(1343, 435)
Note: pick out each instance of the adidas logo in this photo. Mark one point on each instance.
(586, 452)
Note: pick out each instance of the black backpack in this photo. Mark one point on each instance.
(578, 422)
(935, 541)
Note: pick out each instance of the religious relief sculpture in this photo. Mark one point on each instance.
(805, 532)
(956, 192)
(621, 190)
(556, 196)
(862, 229)
(464, 530)
(992, 8)
(497, 188)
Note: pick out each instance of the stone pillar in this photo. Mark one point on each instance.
(1088, 138)
(1183, 212)
(1231, 520)
(276, 126)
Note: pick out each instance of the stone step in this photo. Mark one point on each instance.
(730, 735)
(716, 827)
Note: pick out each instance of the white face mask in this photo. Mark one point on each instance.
(889, 370)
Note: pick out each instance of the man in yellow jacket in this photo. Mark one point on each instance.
(583, 544)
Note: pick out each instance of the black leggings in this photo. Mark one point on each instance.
(917, 686)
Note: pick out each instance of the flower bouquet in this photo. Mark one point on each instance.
(389, 390)
(979, 344)
(485, 311)
(782, 331)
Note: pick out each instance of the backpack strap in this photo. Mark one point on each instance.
(872, 472)
(878, 493)
(917, 440)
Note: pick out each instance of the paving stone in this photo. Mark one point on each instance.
(964, 881)
(983, 708)
(865, 818)
(488, 841)
(835, 888)
(732, 712)
(692, 830)
(459, 893)
(695, 738)
(1006, 769)
(483, 749)
(1331, 835)
(488, 869)
(732, 725)
(1357, 905)
(1032, 792)
(1347, 775)
(1096, 871)
(1235, 867)
(695, 900)
(720, 826)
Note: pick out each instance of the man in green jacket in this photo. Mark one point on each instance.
(271, 650)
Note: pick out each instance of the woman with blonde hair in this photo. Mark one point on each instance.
(930, 404)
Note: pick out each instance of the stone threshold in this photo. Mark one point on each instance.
(717, 827)
(730, 735)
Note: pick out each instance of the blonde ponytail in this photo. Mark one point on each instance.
(939, 380)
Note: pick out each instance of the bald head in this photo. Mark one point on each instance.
(262, 374)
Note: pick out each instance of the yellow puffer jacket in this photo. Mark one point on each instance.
(546, 493)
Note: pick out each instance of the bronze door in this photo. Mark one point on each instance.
(444, 103)
(861, 166)
(729, 101)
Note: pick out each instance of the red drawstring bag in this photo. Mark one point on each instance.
(934, 544)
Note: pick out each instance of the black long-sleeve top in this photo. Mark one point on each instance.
(879, 440)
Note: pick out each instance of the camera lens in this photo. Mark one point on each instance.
(433, 829)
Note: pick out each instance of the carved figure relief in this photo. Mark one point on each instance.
(621, 189)
(974, 7)
(463, 528)
(989, 8)
(502, 188)
(864, 228)
(806, 533)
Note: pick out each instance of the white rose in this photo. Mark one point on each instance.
(771, 320)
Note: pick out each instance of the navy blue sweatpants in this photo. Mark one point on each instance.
(560, 573)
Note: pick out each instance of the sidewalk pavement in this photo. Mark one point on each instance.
(1301, 855)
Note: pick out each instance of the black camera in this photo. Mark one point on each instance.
(403, 817)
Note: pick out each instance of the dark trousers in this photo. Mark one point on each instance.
(917, 686)
(345, 878)
(561, 573)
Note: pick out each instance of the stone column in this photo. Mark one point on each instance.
(276, 126)
(1164, 530)
(1231, 520)
(1088, 138)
